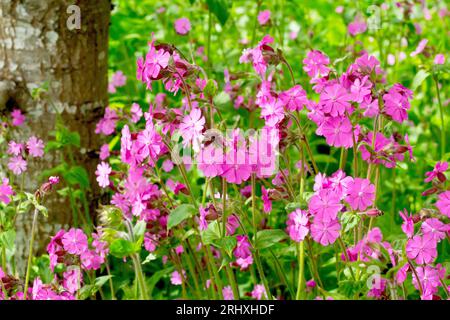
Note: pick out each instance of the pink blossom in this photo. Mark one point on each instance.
(232, 224)
(6, 192)
(35, 147)
(104, 152)
(325, 204)
(15, 148)
(272, 111)
(191, 129)
(438, 172)
(167, 165)
(103, 171)
(325, 230)
(235, 169)
(439, 59)
(298, 225)
(436, 228)
(422, 248)
(107, 124)
(17, 118)
(210, 160)
(294, 98)
(361, 194)
(176, 279)
(264, 17)
(242, 249)
(360, 89)
(136, 112)
(150, 68)
(150, 242)
(370, 107)
(315, 64)
(390, 59)
(258, 292)
(227, 293)
(118, 79)
(340, 183)
(182, 26)
(396, 105)
(17, 165)
(408, 223)
(338, 132)
(430, 279)
(75, 241)
(357, 26)
(443, 203)
(420, 47)
(266, 200)
(377, 288)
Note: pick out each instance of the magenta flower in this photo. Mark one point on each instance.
(136, 113)
(236, 170)
(396, 106)
(182, 26)
(232, 224)
(361, 89)
(422, 248)
(258, 292)
(15, 148)
(176, 279)
(315, 64)
(408, 223)
(361, 194)
(17, 165)
(436, 228)
(338, 132)
(325, 230)
(335, 100)
(294, 98)
(264, 17)
(420, 47)
(150, 68)
(104, 152)
(443, 203)
(75, 241)
(191, 129)
(17, 118)
(357, 26)
(439, 59)
(438, 172)
(35, 147)
(266, 200)
(107, 124)
(242, 249)
(430, 279)
(298, 225)
(325, 204)
(6, 191)
(118, 79)
(227, 293)
(103, 171)
(272, 111)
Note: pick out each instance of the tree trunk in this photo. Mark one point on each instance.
(37, 49)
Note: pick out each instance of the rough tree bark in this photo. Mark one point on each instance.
(36, 47)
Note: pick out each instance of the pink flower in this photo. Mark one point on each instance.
(75, 241)
(35, 147)
(107, 124)
(420, 47)
(191, 129)
(334, 100)
(104, 152)
(17, 165)
(258, 292)
(150, 68)
(167, 165)
(17, 118)
(298, 225)
(422, 248)
(266, 200)
(357, 26)
(242, 249)
(210, 160)
(72, 280)
(176, 279)
(103, 171)
(136, 112)
(396, 105)
(232, 224)
(227, 293)
(236, 170)
(118, 79)
(15, 148)
(408, 223)
(6, 191)
(360, 89)
(361, 194)
(315, 64)
(378, 287)
(264, 17)
(436, 228)
(340, 183)
(325, 204)
(182, 26)
(443, 203)
(438, 172)
(294, 98)
(272, 111)
(430, 279)
(370, 107)
(325, 230)
(338, 132)
(439, 59)
(150, 242)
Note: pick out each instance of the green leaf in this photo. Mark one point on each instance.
(139, 229)
(349, 221)
(122, 248)
(150, 257)
(220, 9)
(267, 238)
(77, 175)
(227, 244)
(179, 214)
(211, 234)
(419, 78)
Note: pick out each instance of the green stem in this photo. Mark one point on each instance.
(140, 277)
(301, 267)
(441, 113)
(30, 253)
